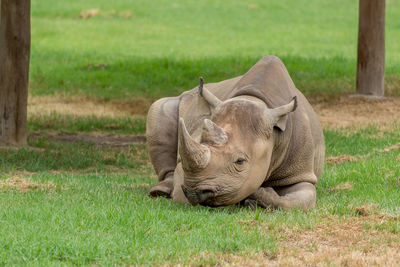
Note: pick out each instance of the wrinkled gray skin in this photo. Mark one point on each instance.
(253, 139)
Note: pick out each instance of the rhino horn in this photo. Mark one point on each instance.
(279, 114)
(213, 134)
(194, 155)
(211, 99)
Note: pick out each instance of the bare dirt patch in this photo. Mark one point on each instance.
(76, 106)
(24, 185)
(336, 113)
(344, 111)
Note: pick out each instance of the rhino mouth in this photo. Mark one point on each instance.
(210, 203)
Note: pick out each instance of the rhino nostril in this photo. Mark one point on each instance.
(205, 194)
(197, 196)
(207, 191)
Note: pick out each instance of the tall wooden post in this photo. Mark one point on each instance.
(15, 39)
(371, 48)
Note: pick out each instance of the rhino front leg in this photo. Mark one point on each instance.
(162, 142)
(301, 195)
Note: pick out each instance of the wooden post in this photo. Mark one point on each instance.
(371, 48)
(15, 39)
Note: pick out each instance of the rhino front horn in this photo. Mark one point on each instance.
(194, 155)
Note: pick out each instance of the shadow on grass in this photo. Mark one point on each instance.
(42, 154)
(73, 124)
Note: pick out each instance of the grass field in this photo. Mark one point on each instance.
(76, 204)
(157, 48)
(77, 195)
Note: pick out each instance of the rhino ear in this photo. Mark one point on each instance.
(213, 134)
(280, 114)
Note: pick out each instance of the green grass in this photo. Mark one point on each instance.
(100, 214)
(167, 45)
(53, 156)
(73, 124)
(375, 174)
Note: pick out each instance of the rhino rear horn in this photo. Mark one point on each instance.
(211, 99)
(194, 155)
(213, 134)
(280, 114)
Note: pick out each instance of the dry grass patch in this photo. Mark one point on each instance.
(84, 106)
(253, 6)
(339, 243)
(391, 148)
(344, 112)
(89, 13)
(336, 113)
(24, 185)
(126, 14)
(367, 209)
(341, 159)
(230, 259)
(335, 241)
(23, 172)
(94, 12)
(342, 187)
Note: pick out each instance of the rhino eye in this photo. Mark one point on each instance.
(240, 161)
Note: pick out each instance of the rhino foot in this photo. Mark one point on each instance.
(249, 203)
(163, 188)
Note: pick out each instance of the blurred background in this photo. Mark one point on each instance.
(125, 49)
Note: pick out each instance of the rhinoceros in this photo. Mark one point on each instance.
(252, 139)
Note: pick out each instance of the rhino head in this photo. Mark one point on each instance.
(233, 156)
